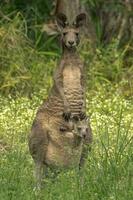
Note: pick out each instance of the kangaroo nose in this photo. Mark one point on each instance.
(71, 42)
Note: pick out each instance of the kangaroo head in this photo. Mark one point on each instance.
(70, 31)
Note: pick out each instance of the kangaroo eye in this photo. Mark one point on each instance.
(64, 33)
(77, 34)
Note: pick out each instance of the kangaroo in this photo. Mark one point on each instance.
(52, 141)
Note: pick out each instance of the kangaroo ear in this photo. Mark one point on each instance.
(80, 20)
(61, 20)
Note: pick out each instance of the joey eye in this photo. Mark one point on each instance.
(79, 128)
(77, 34)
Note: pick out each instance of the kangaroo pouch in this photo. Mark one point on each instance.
(61, 151)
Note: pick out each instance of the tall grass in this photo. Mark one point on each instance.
(108, 171)
(23, 67)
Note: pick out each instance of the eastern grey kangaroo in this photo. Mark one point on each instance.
(53, 136)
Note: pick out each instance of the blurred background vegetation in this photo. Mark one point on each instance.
(28, 55)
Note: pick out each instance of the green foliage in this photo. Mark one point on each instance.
(107, 174)
(22, 66)
(34, 14)
(107, 67)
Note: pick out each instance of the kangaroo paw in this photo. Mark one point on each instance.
(66, 116)
(82, 115)
(63, 129)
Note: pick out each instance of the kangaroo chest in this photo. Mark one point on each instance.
(72, 87)
(71, 77)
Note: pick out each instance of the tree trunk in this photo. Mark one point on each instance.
(116, 21)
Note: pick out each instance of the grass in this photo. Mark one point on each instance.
(108, 171)
(23, 67)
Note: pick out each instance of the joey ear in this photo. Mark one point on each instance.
(87, 119)
(80, 20)
(61, 20)
(75, 118)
